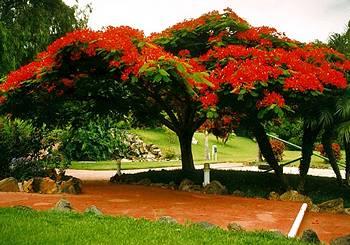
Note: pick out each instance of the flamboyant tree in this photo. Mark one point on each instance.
(215, 65)
(115, 70)
(259, 74)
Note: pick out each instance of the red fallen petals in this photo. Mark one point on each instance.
(271, 98)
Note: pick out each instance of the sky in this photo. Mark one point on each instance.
(303, 20)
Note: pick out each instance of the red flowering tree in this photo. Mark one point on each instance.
(114, 70)
(258, 73)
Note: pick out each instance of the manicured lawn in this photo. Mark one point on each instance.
(237, 149)
(19, 226)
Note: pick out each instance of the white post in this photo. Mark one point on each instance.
(206, 171)
(297, 222)
(119, 167)
(206, 145)
(214, 152)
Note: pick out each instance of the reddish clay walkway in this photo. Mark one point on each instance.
(153, 202)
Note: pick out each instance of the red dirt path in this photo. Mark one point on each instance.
(153, 202)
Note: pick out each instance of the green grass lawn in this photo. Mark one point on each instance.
(18, 226)
(237, 149)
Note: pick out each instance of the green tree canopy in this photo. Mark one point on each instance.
(28, 26)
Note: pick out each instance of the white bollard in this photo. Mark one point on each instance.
(214, 152)
(206, 171)
(119, 168)
(297, 222)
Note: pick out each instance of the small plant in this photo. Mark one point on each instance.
(169, 153)
(278, 148)
(335, 147)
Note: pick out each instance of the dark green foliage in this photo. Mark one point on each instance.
(18, 139)
(290, 130)
(99, 139)
(20, 226)
(25, 151)
(27, 27)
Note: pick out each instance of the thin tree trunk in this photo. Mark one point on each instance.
(327, 145)
(267, 152)
(309, 138)
(185, 139)
(206, 145)
(347, 161)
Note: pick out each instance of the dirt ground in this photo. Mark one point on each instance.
(153, 202)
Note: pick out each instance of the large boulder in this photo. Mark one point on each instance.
(345, 240)
(215, 187)
(310, 236)
(71, 186)
(48, 186)
(32, 185)
(332, 206)
(9, 185)
(295, 196)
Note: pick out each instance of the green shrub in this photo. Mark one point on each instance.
(169, 153)
(18, 139)
(99, 139)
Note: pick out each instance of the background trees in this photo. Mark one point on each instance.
(27, 27)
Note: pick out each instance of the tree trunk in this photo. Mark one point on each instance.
(347, 161)
(309, 138)
(206, 145)
(327, 145)
(185, 139)
(267, 152)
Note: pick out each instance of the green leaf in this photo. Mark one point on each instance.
(164, 73)
(180, 68)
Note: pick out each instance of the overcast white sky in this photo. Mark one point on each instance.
(304, 20)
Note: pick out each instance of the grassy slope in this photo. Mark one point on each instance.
(31, 227)
(237, 149)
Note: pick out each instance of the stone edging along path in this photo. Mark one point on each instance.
(154, 202)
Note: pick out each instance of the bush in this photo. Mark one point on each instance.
(169, 153)
(99, 139)
(335, 147)
(26, 151)
(278, 148)
(291, 131)
(18, 139)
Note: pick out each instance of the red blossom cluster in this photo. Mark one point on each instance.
(112, 38)
(209, 100)
(271, 98)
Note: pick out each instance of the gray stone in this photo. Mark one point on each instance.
(206, 225)
(167, 220)
(185, 184)
(294, 196)
(215, 187)
(63, 205)
(145, 181)
(93, 210)
(310, 236)
(234, 227)
(345, 240)
(332, 206)
(71, 186)
(274, 196)
(238, 193)
(9, 185)
(347, 211)
(23, 207)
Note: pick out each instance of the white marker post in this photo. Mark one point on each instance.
(206, 171)
(297, 222)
